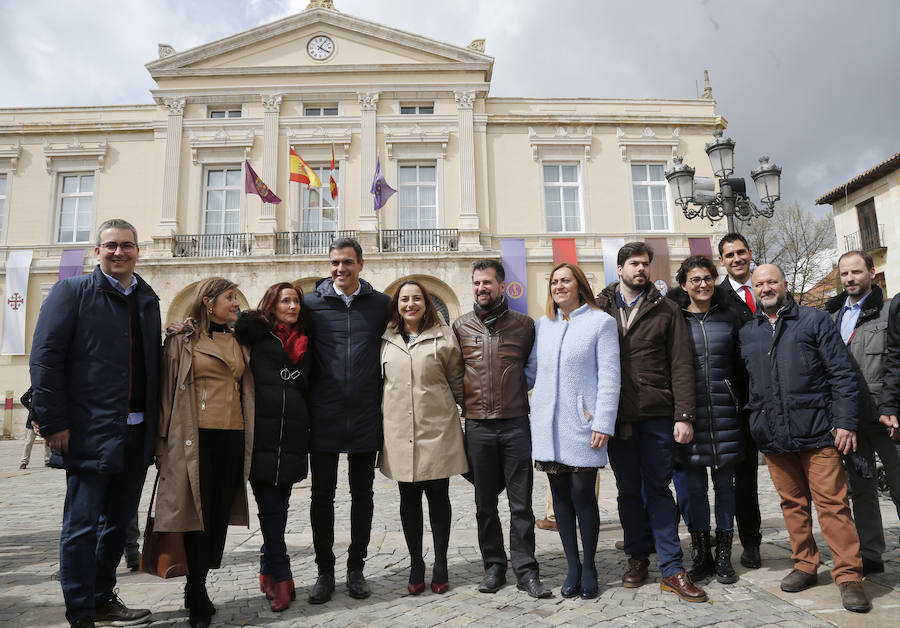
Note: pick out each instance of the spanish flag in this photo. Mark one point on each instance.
(332, 184)
(300, 171)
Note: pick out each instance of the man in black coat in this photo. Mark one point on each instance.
(889, 402)
(346, 317)
(804, 413)
(95, 373)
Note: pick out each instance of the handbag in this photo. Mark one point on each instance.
(163, 553)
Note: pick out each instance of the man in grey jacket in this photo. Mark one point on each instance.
(861, 315)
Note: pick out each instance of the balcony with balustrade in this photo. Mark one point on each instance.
(418, 240)
(868, 240)
(307, 242)
(212, 245)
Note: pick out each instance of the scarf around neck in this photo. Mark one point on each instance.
(490, 315)
(294, 341)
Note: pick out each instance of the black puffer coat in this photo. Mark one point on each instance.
(281, 431)
(345, 380)
(719, 382)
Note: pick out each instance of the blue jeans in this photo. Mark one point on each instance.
(723, 484)
(645, 459)
(272, 502)
(680, 481)
(96, 515)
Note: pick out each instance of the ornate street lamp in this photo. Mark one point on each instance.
(697, 197)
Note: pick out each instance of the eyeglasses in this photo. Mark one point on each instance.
(111, 247)
(696, 281)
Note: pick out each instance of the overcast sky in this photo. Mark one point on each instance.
(814, 84)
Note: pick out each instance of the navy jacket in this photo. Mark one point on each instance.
(281, 432)
(345, 368)
(802, 380)
(81, 370)
(719, 383)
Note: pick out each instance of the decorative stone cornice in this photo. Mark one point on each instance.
(320, 4)
(271, 103)
(175, 106)
(477, 45)
(165, 50)
(464, 100)
(11, 155)
(368, 101)
(415, 135)
(221, 139)
(563, 139)
(75, 150)
(647, 139)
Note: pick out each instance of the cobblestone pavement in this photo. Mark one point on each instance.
(31, 512)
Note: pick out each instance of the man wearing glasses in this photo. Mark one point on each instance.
(95, 373)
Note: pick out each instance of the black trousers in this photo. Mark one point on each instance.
(439, 515)
(221, 475)
(499, 452)
(361, 475)
(746, 495)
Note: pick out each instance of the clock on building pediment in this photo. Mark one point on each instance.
(320, 47)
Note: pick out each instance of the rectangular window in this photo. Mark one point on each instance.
(225, 113)
(648, 185)
(327, 110)
(417, 109)
(562, 197)
(320, 212)
(76, 208)
(417, 191)
(222, 199)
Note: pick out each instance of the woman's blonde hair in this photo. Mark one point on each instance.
(210, 288)
(584, 289)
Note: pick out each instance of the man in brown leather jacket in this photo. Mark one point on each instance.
(496, 343)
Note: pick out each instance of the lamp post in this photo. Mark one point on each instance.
(696, 196)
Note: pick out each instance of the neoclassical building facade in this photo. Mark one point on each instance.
(471, 170)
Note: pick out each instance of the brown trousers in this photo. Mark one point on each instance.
(817, 476)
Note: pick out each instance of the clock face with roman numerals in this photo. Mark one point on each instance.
(320, 47)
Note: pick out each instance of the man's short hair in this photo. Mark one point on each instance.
(632, 249)
(116, 223)
(484, 264)
(734, 236)
(870, 263)
(343, 243)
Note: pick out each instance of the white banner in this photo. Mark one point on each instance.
(611, 248)
(18, 266)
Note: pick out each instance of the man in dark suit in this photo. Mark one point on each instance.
(735, 291)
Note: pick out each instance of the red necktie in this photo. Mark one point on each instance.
(748, 299)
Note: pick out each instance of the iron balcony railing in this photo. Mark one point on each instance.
(307, 242)
(414, 240)
(212, 245)
(865, 240)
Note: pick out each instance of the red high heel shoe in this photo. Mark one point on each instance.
(441, 588)
(415, 589)
(267, 586)
(284, 594)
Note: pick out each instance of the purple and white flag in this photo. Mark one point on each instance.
(18, 267)
(380, 188)
(254, 185)
(512, 252)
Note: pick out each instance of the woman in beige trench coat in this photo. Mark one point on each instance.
(204, 445)
(423, 441)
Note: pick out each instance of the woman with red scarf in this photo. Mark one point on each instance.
(278, 359)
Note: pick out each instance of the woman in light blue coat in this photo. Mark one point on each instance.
(573, 413)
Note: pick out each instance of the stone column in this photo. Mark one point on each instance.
(469, 231)
(272, 108)
(168, 220)
(368, 221)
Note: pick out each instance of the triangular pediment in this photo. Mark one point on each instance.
(283, 44)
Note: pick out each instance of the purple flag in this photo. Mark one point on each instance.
(70, 263)
(512, 252)
(254, 185)
(380, 188)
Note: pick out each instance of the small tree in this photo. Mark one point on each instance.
(803, 245)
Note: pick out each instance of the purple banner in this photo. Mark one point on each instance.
(71, 263)
(512, 252)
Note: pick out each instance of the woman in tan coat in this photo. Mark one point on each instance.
(204, 444)
(423, 441)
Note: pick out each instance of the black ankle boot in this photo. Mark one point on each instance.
(197, 601)
(724, 571)
(704, 566)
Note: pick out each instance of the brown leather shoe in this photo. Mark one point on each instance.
(545, 524)
(797, 581)
(636, 574)
(854, 597)
(620, 545)
(680, 584)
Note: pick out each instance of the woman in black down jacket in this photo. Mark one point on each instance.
(278, 359)
(718, 434)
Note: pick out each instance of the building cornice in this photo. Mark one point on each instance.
(331, 69)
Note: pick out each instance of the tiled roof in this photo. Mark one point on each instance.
(885, 167)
